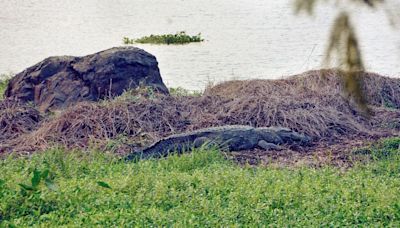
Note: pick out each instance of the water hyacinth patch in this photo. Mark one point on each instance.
(178, 38)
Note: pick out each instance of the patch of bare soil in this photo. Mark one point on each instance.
(312, 103)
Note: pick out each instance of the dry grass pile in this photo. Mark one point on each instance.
(95, 124)
(379, 90)
(16, 119)
(310, 103)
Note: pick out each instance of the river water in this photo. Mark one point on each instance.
(245, 39)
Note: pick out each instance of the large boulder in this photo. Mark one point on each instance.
(58, 82)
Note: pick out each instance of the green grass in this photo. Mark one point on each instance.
(182, 92)
(198, 189)
(134, 95)
(178, 38)
(4, 79)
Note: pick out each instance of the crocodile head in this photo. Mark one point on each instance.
(281, 135)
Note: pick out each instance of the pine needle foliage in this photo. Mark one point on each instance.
(344, 48)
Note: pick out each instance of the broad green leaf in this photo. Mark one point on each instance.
(45, 174)
(2, 182)
(36, 178)
(103, 184)
(27, 187)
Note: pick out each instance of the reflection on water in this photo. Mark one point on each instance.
(244, 38)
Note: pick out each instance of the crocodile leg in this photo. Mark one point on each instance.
(268, 146)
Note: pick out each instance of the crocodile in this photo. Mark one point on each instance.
(231, 138)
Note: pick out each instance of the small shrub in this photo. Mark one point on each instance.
(178, 38)
(37, 178)
(4, 79)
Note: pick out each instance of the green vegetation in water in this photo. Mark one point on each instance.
(4, 79)
(178, 38)
(197, 189)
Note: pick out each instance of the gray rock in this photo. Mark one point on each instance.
(58, 82)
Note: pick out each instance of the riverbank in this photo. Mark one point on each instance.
(198, 189)
(311, 103)
(64, 168)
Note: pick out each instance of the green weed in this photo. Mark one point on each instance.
(385, 149)
(178, 38)
(37, 178)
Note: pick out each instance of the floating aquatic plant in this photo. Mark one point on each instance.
(178, 38)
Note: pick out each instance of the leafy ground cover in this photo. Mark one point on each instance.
(203, 188)
(177, 38)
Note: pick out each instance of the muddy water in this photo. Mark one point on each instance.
(244, 38)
